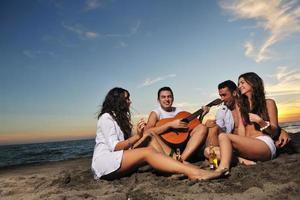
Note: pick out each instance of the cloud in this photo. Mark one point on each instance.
(279, 18)
(81, 31)
(204, 93)
(149, 81)
(88, 5)
(91, 35)
(34, 54)
(58, 40)
(133, 30)
(287, 82)
(186, 105)
(249, 49)
(93, 4)
(121, 44)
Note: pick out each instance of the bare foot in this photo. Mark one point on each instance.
(177, 177)
(189, 164)
(208, 175)
(246, 162)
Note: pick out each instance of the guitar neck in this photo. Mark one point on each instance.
(193, 116)
(200, 111)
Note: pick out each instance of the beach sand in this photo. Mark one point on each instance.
(275, 179)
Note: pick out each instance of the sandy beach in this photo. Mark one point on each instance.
(275, 179)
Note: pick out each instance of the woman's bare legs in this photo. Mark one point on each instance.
(198, 136)
(244, 145)
(159, 161)
(158, 144)
(246, 161)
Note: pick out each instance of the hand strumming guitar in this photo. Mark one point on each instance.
(178, 123)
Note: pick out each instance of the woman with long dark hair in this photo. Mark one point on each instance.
(114, 156)
(258, 121)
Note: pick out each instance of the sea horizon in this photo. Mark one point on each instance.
(49, 151)
(37, 153)
(42, 142)
(290, 126)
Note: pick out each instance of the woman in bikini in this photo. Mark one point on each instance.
(258, 121)
(114, 155)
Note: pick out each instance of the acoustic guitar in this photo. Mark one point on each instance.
(176, 137)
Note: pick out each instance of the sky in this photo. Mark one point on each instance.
(59, 58)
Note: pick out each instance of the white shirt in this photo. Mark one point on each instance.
(224, 119)
(105, 158)
(162, 114)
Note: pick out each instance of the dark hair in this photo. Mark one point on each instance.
(229, 84)
(164, 89)
(258, 99)
(116, 105)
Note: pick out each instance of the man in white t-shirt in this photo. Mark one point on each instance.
(198, 135)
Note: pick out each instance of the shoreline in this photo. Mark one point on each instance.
(72, 179)
(36, 164)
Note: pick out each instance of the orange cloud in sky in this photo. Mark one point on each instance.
(288, 112)
(286, 92)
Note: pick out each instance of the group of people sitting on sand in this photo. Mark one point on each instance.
(246, 123)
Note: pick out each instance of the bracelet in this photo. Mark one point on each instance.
(265, 127)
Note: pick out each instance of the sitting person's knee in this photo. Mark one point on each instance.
(222, 136)
(206, 152)
(201, 129)
(150, 150)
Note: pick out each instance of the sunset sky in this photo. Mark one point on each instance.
(59, 58)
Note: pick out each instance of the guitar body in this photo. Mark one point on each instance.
(176, 137)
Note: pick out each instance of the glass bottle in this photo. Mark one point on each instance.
(212, 159)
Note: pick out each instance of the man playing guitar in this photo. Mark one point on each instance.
(196, 137)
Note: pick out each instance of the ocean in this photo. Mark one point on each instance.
(24, 154)
(291, 127)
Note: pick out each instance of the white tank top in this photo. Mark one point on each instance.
(162, 114)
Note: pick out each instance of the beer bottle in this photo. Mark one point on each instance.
(212, 159)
